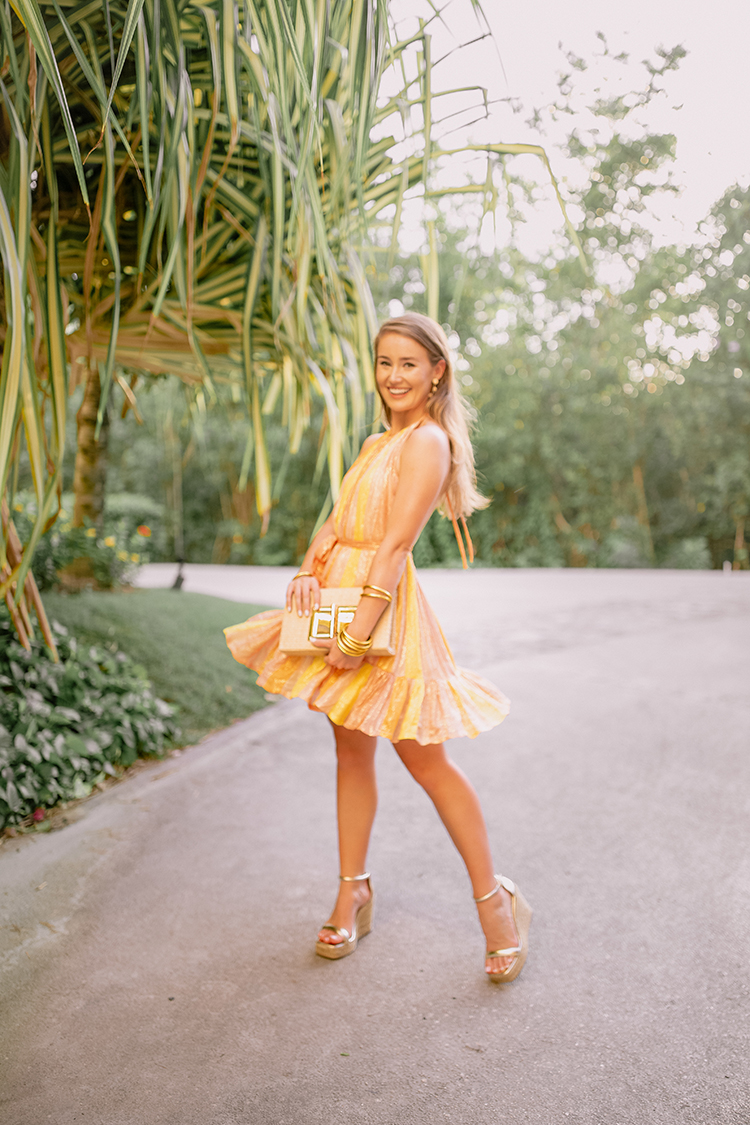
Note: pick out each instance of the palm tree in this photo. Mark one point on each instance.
(185, 190)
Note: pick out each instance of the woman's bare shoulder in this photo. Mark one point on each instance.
(430, 440)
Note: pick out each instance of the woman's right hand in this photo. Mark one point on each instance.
(303, 594)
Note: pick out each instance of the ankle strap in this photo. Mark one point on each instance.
(483, 898)
(354, 878)
(506, 884)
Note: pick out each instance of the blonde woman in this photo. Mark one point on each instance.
(416, 698)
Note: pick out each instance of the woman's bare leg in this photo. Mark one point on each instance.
(357, 800)
(459, 809)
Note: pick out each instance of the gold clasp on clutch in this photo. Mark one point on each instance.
(321, 624)
(328, 620)
(344, 615)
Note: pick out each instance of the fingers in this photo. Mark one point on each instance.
(290, 595)
(303, 594)
(307, 592)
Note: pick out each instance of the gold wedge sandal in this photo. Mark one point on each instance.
(522, 917)
(362, 925)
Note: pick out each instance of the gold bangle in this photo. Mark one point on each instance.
(304, 574)
(344, 646)
(350, 646)
(379, 592)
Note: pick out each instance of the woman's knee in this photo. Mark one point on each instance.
(426, 764)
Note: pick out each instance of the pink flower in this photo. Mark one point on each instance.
(38, 814)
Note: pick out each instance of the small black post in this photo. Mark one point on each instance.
(180, 577)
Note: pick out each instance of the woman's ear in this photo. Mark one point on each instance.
(439, 369)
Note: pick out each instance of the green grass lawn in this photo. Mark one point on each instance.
(177, 638)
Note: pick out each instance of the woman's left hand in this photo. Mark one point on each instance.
(338, 659)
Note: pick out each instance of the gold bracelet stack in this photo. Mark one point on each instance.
(303, 574)
(379, 593)
(350, 646)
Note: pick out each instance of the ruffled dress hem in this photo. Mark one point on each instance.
(371, 698)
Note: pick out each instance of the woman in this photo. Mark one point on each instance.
(418, 697)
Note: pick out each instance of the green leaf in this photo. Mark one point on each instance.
(30, 15)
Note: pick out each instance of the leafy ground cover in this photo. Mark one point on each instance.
(66, 726)
(177, 638)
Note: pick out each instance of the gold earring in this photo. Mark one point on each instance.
(434, 386)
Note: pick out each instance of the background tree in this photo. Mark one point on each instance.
(613, 413)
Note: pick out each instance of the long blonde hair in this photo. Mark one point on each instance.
(447, 407)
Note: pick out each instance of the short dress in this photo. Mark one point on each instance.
(418, 693)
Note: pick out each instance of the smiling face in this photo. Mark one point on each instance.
(404, 373)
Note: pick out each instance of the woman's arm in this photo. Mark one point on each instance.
(305, 592)
(425, 464)
(312, 550)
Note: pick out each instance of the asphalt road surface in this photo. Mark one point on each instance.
(157, 954)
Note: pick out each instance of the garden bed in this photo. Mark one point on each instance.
(140, 672)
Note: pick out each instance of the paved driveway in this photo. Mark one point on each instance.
(157, 954)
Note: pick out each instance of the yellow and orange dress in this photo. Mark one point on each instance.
(419, 692)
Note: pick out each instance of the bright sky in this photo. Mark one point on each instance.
(705, 103)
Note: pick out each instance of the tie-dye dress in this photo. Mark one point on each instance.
(418, 693)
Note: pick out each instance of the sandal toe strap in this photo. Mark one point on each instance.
(338, 930)
(512, 952)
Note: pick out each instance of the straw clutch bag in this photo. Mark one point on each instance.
(337, 607)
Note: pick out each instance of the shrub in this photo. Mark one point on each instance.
(112, 554)
(689, 554)
(64, 727)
